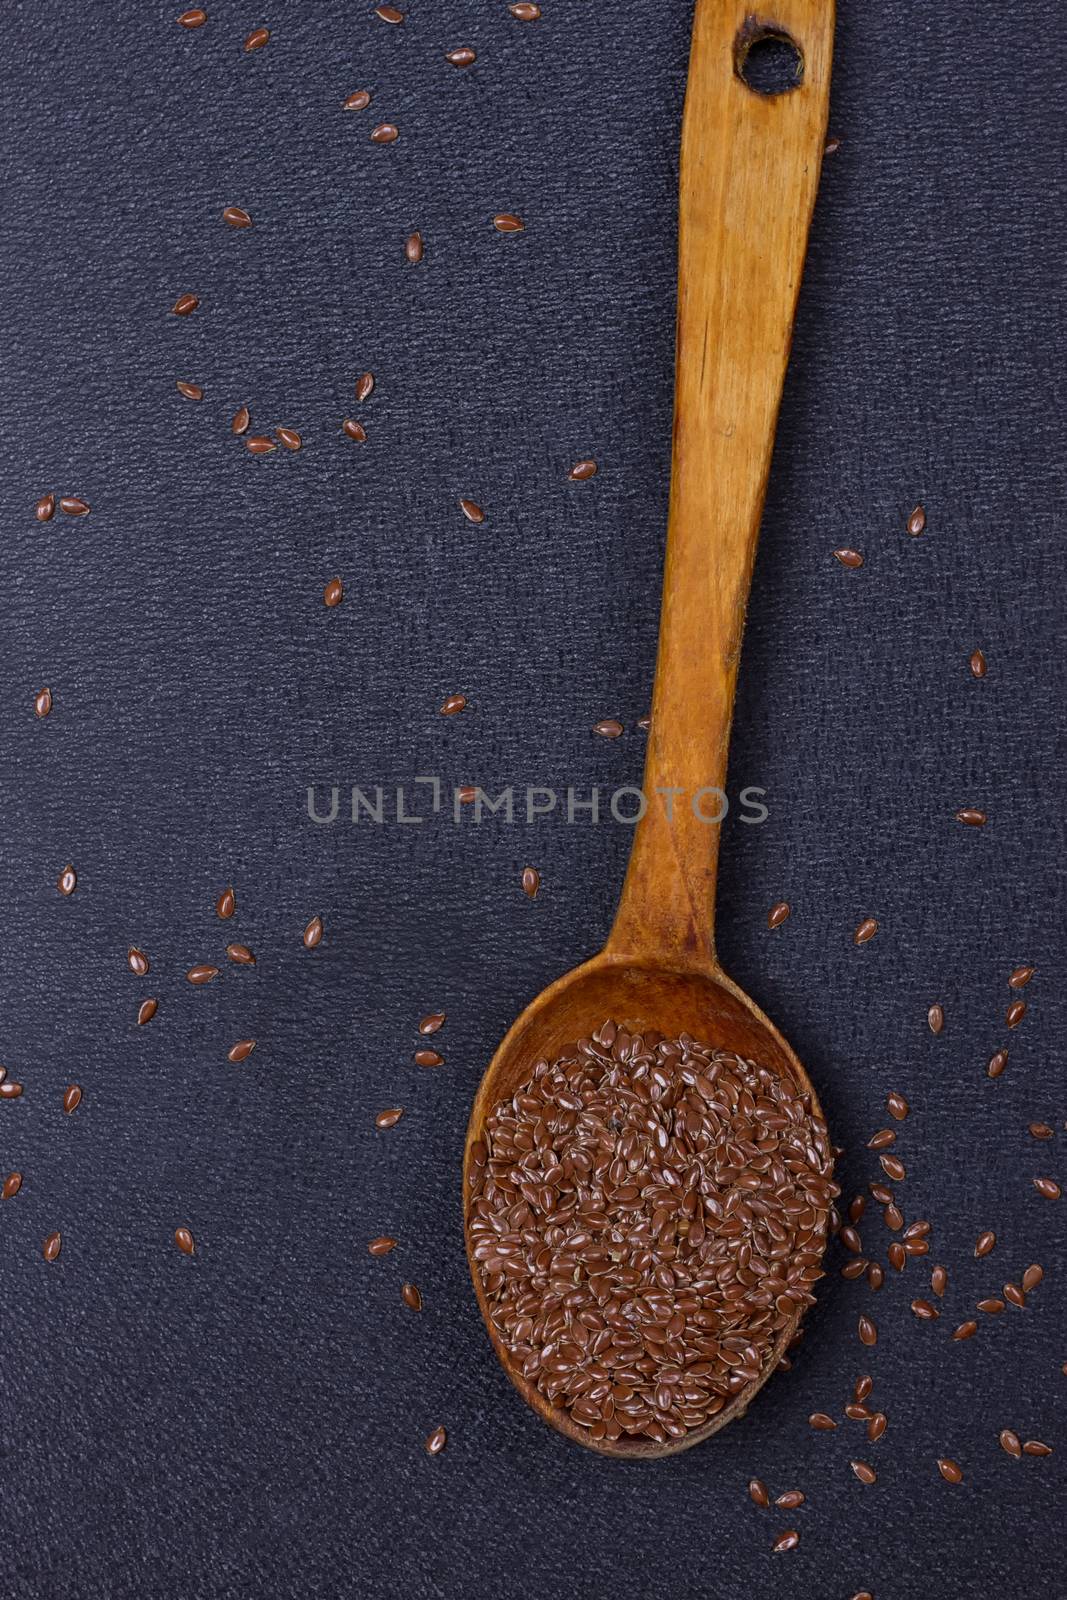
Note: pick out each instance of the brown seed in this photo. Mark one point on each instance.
(184, 1240)
(390, 1118)
(582, 471)
(778, 913)
(257, 38)
(985, 1242)
(949, 1470)
(432, 1022)
(1036, 1447)
(185, 305)
(864, 1472)
(463, 57)
(867, 1331)
(997, 1063)
(849, 558)
(12, 1185)
(451, 704)
(875, 1275)
(758, 1492)
(898, 1256)
(358, 101)
(467, 794)
(242, 419)
(189, 391)
(786, 1541)
(192, 19)
(876, 1427)
(830, 148)
(609, 728)
(53, 1244)
(9, 1089)
(893, 1168)
(313, 933)
(240, 955)
(411, 1297)
(436, 1442)
(237, 217)
(385, 133)
(897, 1106)
(260, 444)
(1047, 1188)
(414, 248)
(382, 1245)
(936, 1018)
(924, 1310)
(866, 931)
(862, 1388)
(389, 14)
(72, 505)
(1015, 1013)
(1040, 1130)
(917, 522)
(226, 904)
(1011, 1442)
(472, 511)
(241, 1050)
(146, 1011)
(1032, 1277)
(508, 222)
(880, 1140)
(365, 386)
(333, 593)
(525, 11)
(790, 1500)
(821, 1422)
(428, 1058)
(67, 881)
(1014, 1295)
(992, 1307)
(966, 1330)
(45, 509)
(289, 438)
(531, 882)
(972, 818)
(72, 1098)
(857, 1412)
(1020, 977)
(355, 430)
(202, 973)
(42, 702)
(978, 664)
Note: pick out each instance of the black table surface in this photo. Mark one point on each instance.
(249, 1421)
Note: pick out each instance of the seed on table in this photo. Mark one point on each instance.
(472, 511)
(1020, 977)
(864, 1471)
(849, 558)
(582, 471)
(882, 1139)
(189, 391)
(525, 11)
(185, 305)
(202, 973)
(1047, 1188)
(290, 438)
(42, 702)
(260, 444)
(1036, 1447)
(464, 56)
(875, 1275)
(851, 1240)
(385, 133)
(240, 955)
(924, 1310)
(242, 420)
(146, 1011)
(257, 38)
(917, 521)
(949, 1470)
(1040, 1130)
(365, 386)
(432, 1022)
(985, 1242)
(184, 1240)
(355, 430)
(897, 1106)
(45, 509)
(978, 664)
(856, 1207)
(436, 1442)
(786, 1541)
(452, 704)
(241, 1050)
(67, 881)
(898, 1256)
(893, 1168)
(53, 1244)
(382, 1245)
(313, 933)
(192, 19)
(882, 1193)
(411, 1297)
(531, 882)
(74, 506)
(1032, 1277)
(9, 1089)
(467, 794)
(359, 100)
(918, 1229)
(867, 1331)
(428, 1058)
(237, 217)
(971, 817)
(389, 14)
(390, 1118)
(508, 222)
(936, 1018)
(414, 248)
(333, 593)
(966, 1330)
(866, 931)
(226, 904)
(1011, 1442)
(893, 1217)
(821, 1422)
(758, 1492)
(790, 1500)
(862, 1387)
(991, 1307)
(609, 728)
(876, 1427)
(1015, 1013)
(778, 913)
(1014, 1295)
(857, 1412)
(12, 1185)
(72, 1098)
(855, 1268)
(997, 1063)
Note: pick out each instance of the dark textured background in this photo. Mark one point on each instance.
(250, 1422)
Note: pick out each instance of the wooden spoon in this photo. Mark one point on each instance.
(749, 171)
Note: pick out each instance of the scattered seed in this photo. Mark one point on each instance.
(985, 1242)
(242, 419)
(992, 1307)
(582, 471)
(414, 248)
(821, 1422)
(185, 305)
(428, 1058)
(9, 1089)
(778, 913)
(790, 1500)
(1015, 1013)
(237, 217)
(390, 1118)
(508, 222)
(856, 1412)
(1032, 1277)
(862, 1388)
(875, 1275)
(472, 511)
(313, 933)
(385, 133)
(355, 430)
(1020, 977)
(866, 931)
(966, 1330)
(849, 558)
(1040, 1130)
(72, 1098)
(972, 818)
(880, 1140)
(72, 505)
(893, 1168)
(411, 1297)
(12, 1185)
(452, 704)
(855, 1268)
(45, 509)
(467, 794)
(876, 1427)
(917, 522)
(949, 1470)
(358, 101)
(67, 881)
(463, 57)
(226, 904)
(897, 1106)
(42, 702)
(786, 1541)
(333, 593)
(758, 1492)
(290, 438)
(432, 1022)
(241, 1050)
(365, 386)
(146, 1011)
(436, 1442)
(898, 1256)
(189, 391)
(184, 1240)
(1047, 1188)
(192, 19)
(531, 882)
(257, 38)
(1011, 1442)
(997, 1063)
(609, 728)
(53, 1244)
(1014, 1295)
(525, 11)
(1036, 1447)
(978, 664)
(382, 1245)
(867, 1331)
(882, 1193)
(864, 1471)
(260, 444)
(830, 148)
(389, 14)
(202, 973)
(240, 955)
(936, 1018)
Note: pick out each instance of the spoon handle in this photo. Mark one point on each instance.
(749, 171)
